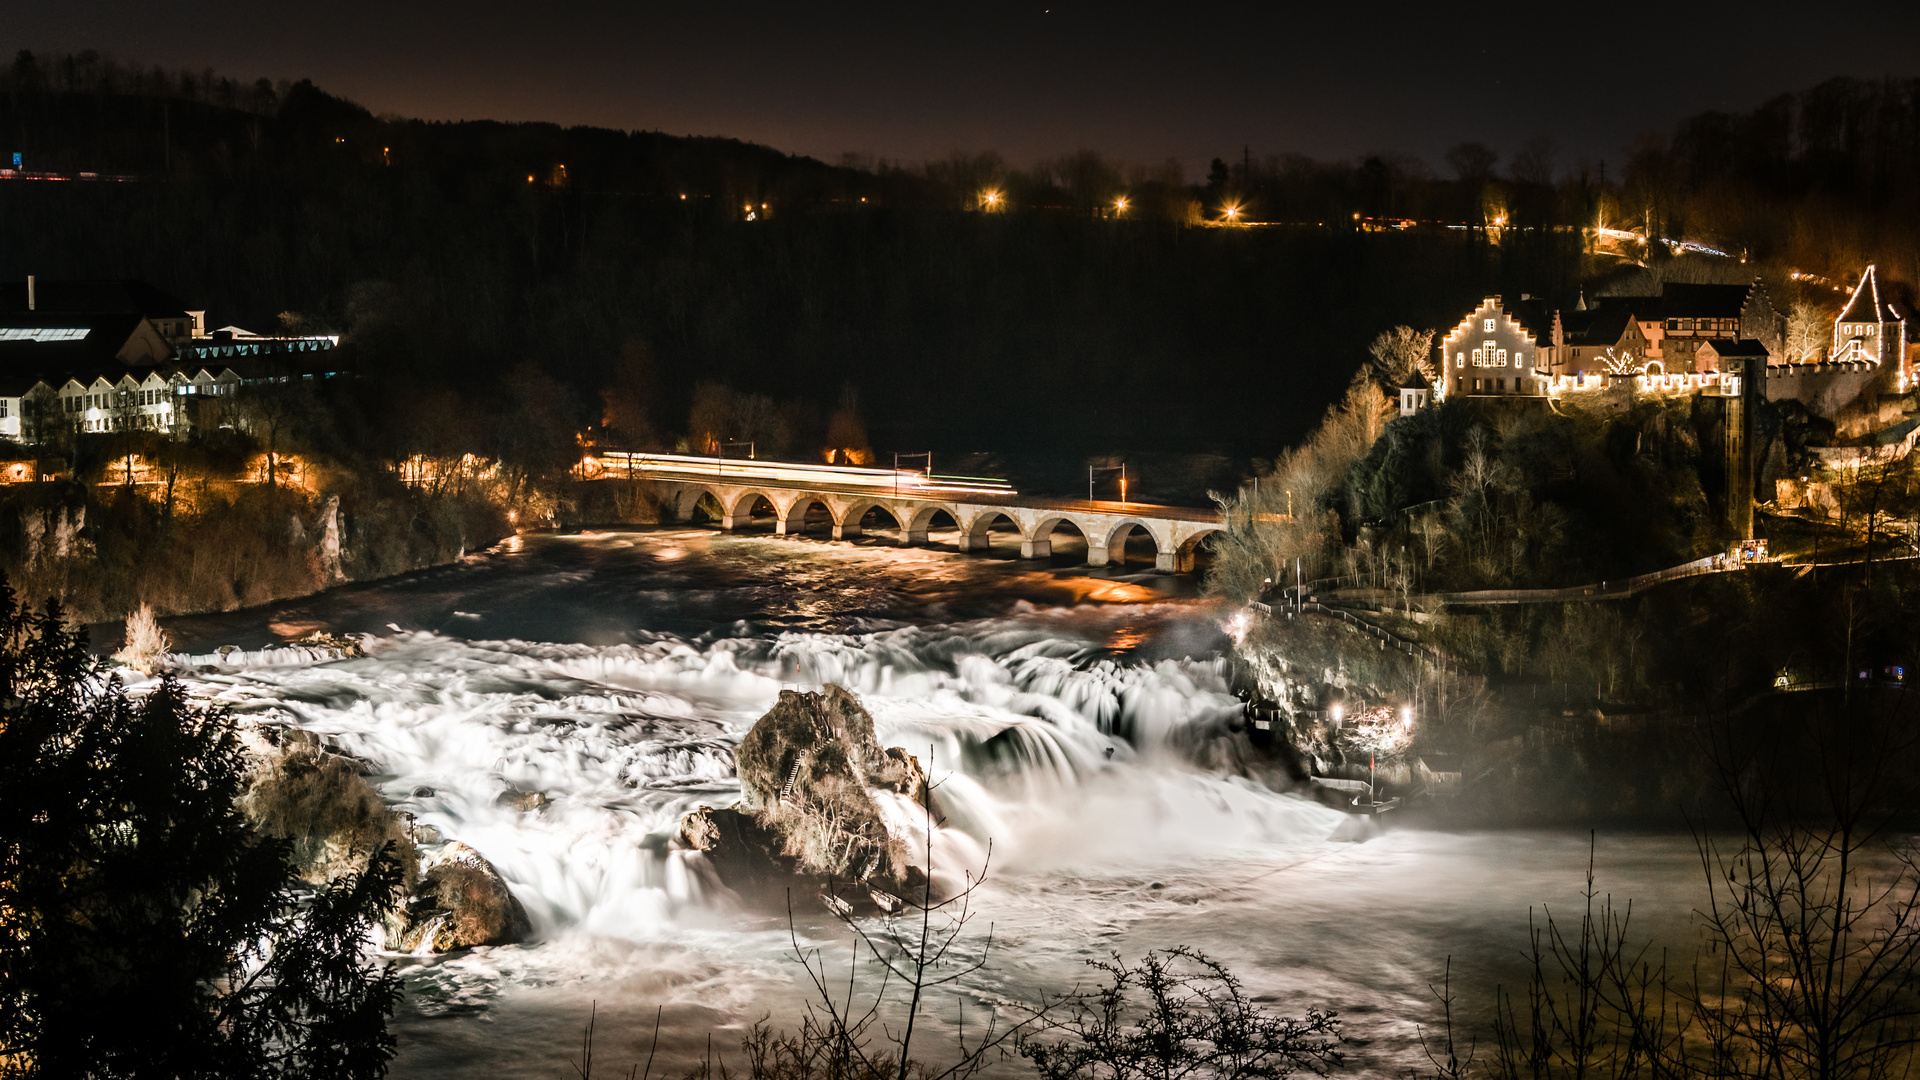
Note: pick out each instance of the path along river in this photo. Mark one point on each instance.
(615, 672)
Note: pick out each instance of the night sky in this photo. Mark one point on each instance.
(909, 81)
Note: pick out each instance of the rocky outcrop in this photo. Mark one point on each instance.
(333, 819)
(47, 527)
(746, 854)
(461, 902)
(340, 647)
(810, 771)
(328, 549)
(525, 802)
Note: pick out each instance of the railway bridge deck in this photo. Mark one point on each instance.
(914, 500)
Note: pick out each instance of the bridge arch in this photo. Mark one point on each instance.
(688, 501)
(853, 520)
(1115, 541)
(920, 521)
(741, 512)
(1185, 555)
(1038, 543)
(793, 520)
(976, 531)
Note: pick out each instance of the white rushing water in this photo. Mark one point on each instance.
(1048, 745)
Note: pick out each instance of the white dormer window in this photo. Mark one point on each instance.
(1487, 326)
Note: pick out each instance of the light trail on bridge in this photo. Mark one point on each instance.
(737, 470)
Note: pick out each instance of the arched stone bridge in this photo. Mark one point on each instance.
(914, 502)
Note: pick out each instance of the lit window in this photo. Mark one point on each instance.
(1459, 359)
(1487, 326)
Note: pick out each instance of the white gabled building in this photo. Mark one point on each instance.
(1870, 327)
(98, 357)
(1494, 352)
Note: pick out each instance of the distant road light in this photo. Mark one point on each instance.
(1233, 213)
(1120, 205)
(990, 199)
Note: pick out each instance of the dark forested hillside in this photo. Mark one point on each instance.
(458, 251)
(451, 254)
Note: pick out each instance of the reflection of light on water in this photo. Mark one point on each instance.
(292, 629)
(1110, 592)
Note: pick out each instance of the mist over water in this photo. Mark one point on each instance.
(616, 673)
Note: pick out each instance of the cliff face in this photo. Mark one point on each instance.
(102, 551)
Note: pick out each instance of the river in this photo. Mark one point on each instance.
(614, 672)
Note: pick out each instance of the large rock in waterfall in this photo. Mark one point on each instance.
(462, 901)
(331, 817)
(334, 820)
(744, 851)
(809, 773)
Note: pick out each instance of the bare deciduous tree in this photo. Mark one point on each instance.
(1397, 353)
(1809, 330)
(1180, 1015)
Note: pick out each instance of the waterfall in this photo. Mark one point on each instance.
(1037, 743)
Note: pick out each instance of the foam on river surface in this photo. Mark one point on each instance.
(1055, 734)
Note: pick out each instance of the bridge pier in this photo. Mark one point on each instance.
(847, 531)
(1096, 554)
(913, 536)
(1036, 549)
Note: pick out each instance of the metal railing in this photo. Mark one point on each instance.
(1412, 648)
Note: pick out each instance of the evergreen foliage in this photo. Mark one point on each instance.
(146, 930)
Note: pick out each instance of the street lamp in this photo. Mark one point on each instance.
(1232, 212)
(990, 200)
(1120, 205)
